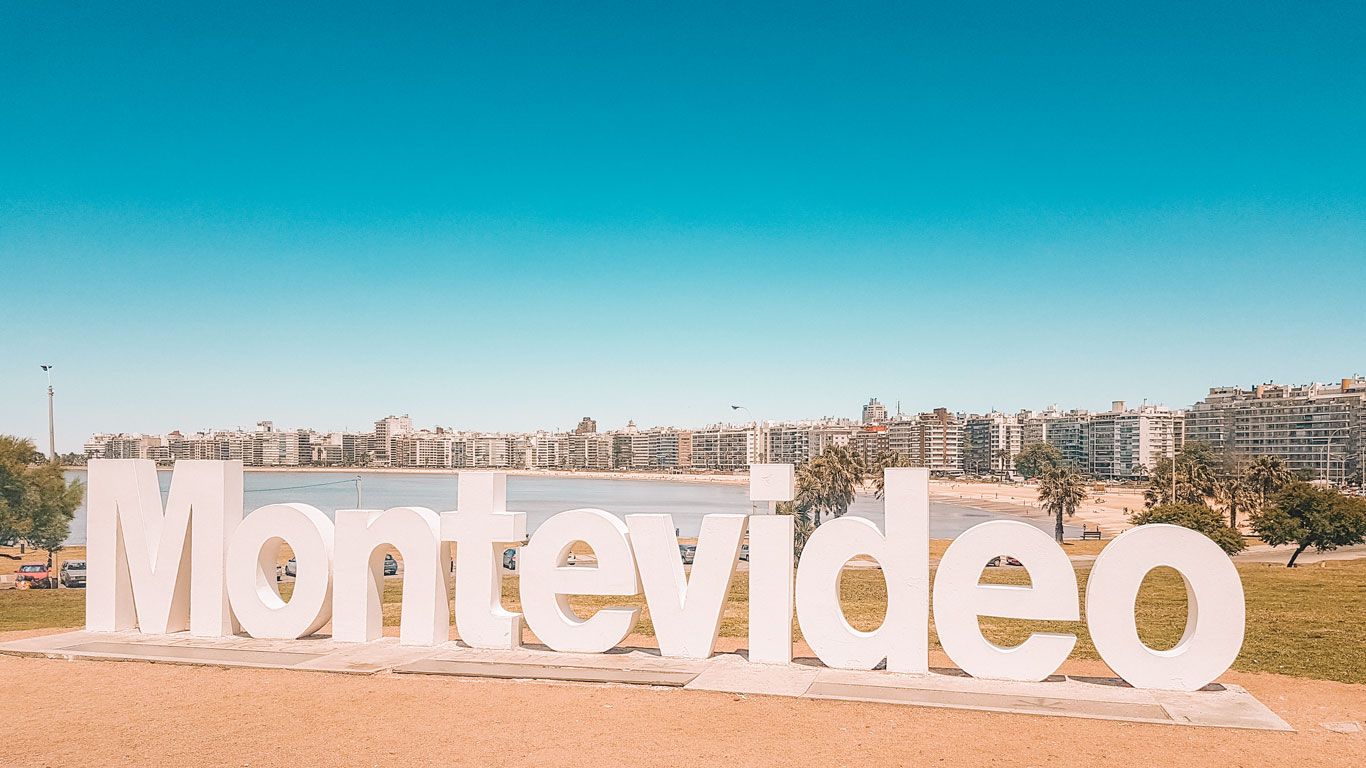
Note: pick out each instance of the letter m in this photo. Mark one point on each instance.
(160, 569)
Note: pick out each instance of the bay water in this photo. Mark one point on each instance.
(542, 496)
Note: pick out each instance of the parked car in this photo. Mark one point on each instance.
(510, 559)
(688, 551)
(73, 574)
(744, 552)
(292, 568)
(34, 576)
(390, 566)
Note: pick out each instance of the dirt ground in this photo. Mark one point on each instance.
(91, 713)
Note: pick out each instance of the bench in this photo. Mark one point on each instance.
(1090, 533)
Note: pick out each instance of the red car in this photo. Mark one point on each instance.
(36, 574)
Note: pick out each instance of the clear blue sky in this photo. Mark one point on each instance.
(512, 215)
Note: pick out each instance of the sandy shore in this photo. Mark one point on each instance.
(1106, 506)
(132, 714)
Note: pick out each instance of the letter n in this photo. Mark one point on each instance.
(140, 570)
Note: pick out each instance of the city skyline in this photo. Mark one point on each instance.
(1299, 424)
(70, 442)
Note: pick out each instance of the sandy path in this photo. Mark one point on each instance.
(86, 713)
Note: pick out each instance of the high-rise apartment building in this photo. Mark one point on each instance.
(724, 448)
(990, 443)
(874, 412)
(932, 440)
(382, 440)
(1314, 428)
(589, 450)
(1126, 444)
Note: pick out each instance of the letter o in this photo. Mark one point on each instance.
(1215, 611)
(252, 557)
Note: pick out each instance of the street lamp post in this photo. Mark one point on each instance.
(759, 429)
(51, 430)
(1328, 456)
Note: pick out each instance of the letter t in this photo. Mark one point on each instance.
(481, 528)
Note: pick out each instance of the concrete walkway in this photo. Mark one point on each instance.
(1261, 553)
(1218, 705)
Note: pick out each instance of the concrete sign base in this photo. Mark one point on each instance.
(1218, 705)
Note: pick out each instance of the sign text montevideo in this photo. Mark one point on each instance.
(197, 563)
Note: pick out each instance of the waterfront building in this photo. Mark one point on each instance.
(326, 450)
(271, 448)
(97, 446)
(1034, 425)
(663, 448)
(725, 447)
(1126, 444)
(990, 444)
(426, 449)
(789, 443)
(932, 440)
(870, 441)
(621, 447)
(586, 426)
(382, 439)
(493, 451)
(549, 450)
(832, 433)
(589, 450)
(1069, 433)
(1318, 429)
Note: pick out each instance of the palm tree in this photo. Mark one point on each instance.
(1267, 475)
(1196, 467)
(1002, 457)
(804, 525)
(813, 484)
(885, 462)
(1232, 492)
(830, 482)
(1062, 490)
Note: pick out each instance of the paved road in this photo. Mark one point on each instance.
(1261, 553)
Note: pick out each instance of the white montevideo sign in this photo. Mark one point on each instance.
(197, 564)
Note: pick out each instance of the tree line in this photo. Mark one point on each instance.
(1218, 494)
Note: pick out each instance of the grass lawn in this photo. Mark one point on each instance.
(1308, 621)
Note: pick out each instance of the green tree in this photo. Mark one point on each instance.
(1267, 476)
(829, 483)
(36, 502)
(1307, 516)
(1197, 468)
(1196, 517)
(52, 503)
(886, 461)
(1062, 490)
(16, 455)
(1037, 460)
(803, 524)
(1233, 493)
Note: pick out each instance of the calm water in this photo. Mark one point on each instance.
(541, 497)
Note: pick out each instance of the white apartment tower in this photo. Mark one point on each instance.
(1126, 444)
(1317, 428)
(874, 412)
(990, 444)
